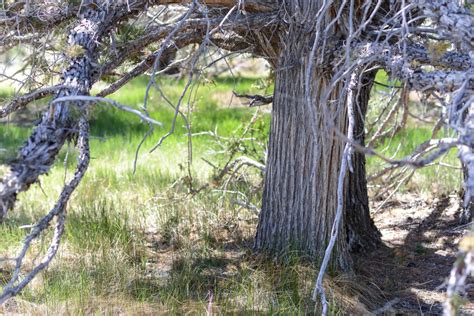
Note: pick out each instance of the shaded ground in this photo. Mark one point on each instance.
(406, 276)
(421, 239)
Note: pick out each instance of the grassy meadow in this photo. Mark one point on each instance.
(139, 243)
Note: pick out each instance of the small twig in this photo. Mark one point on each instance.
(111, 102)
(255, 99)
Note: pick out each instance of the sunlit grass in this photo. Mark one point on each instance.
(435, 178)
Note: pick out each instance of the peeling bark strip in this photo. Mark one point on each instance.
(361, 232)
(466, 154)
(59, 123)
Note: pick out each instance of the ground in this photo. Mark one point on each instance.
(420, 246)
(406, 275)
(408, 272)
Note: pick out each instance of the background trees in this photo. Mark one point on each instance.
(324, 54)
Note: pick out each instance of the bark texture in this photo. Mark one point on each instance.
(299, 200)
(305, 154)
(362, 235)
(59, 123)
(466, 153)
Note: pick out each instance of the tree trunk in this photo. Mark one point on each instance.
(362, 235)
(304, 159)
(466, 153)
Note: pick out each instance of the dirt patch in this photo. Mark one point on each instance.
(420, 246)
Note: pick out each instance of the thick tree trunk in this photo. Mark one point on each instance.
(299, 199)
(300, 190)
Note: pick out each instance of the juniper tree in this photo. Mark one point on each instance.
(324, 53)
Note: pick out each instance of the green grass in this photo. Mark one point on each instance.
(434, 179)
(123, 228)
(138, 243)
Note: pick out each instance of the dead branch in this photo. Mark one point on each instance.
(20, 102)
(404, 38)
(255, 99)
(462, 269)
(58, 123)
(15, 285)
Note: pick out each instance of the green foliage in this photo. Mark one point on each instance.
(127, 32)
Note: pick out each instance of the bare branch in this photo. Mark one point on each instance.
(108, 101)
(58, 124)
(255, 99)
(453, 21)
(15, 285)
(22, 101)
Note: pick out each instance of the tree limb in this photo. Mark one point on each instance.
(15, 285)
(22, 101)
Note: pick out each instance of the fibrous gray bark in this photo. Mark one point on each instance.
(59, 123)
(305, 152)
(299, 201)
(466, 154)
(362, 235)
(299, 198)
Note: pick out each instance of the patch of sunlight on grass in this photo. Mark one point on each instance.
(96, 224)
(208, 110)
(107, 252)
